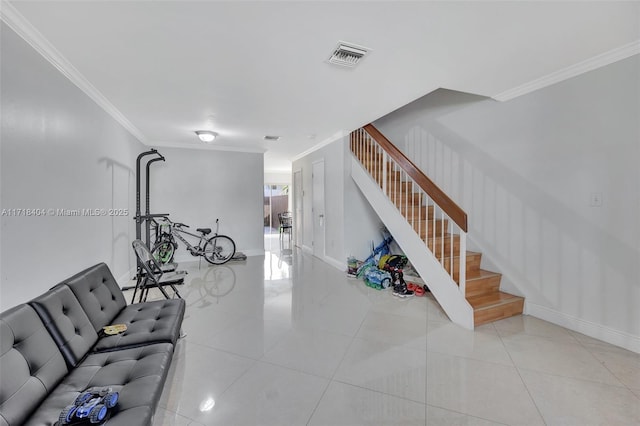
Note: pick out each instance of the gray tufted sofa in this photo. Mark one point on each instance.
(52, 349)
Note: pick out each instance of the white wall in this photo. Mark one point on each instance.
(524, 171)
(333, 157)
(277, 178)
(58, 150)
(350, 222)
(362, 226)
(196, 187)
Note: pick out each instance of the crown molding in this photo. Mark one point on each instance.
(19, 24)
(206, 147)
(574, 70)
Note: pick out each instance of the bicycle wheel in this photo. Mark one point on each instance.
(163, 252)
(219, 249)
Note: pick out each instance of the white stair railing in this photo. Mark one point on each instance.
(437, 220)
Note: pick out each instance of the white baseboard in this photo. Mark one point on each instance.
(186, 257)
(124, 280)
(253, 252)
(588, 328)
(342, 266)
(327, 259)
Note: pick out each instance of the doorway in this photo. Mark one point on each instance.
(276, 201)
(297, 207)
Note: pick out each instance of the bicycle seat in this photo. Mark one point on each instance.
(205, 231)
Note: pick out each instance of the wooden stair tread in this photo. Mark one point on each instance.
(446, 236)
(495, 306)
(469, 254)
(483, 274)
(472, 258)
(482, 282)
(488, 301)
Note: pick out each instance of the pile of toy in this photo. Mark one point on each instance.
(382, 270)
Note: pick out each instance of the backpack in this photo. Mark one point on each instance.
(392, 261)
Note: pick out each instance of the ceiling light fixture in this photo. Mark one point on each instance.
(206, 136)
(271, 138)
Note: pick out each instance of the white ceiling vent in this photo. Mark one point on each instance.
(271, 138)
(348, 54)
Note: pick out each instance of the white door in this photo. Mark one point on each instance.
(297, 207)
(317, 212)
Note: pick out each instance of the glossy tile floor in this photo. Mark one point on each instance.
(288, 340)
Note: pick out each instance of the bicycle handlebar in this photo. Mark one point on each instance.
(174, 224)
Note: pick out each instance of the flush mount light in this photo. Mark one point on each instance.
(207, 404)
(206, 135)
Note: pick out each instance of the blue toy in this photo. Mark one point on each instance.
(90, 406)
(376, 253)
(376, 278)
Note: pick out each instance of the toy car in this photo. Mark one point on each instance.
(90, 406)
(377, 279)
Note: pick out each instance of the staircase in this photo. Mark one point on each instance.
(431, 229)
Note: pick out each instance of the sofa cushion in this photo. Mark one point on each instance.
(149, 322)
(30, 364)
(98, 294)
(137, 373)
(67, 323)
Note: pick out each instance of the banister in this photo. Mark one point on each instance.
(454, 211)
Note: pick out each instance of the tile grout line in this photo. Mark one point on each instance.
(521, 378)
(576, 343)
(461, 357)
(579, 379)
(233, 382)
(468, 415)
(331, 380)
(225, 351)
(604, 365)
(380, 392)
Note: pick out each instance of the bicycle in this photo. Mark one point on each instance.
(217, 250)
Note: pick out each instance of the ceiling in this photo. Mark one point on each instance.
(250, 69)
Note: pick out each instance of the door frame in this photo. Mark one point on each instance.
(321, 227)
(298, 208)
